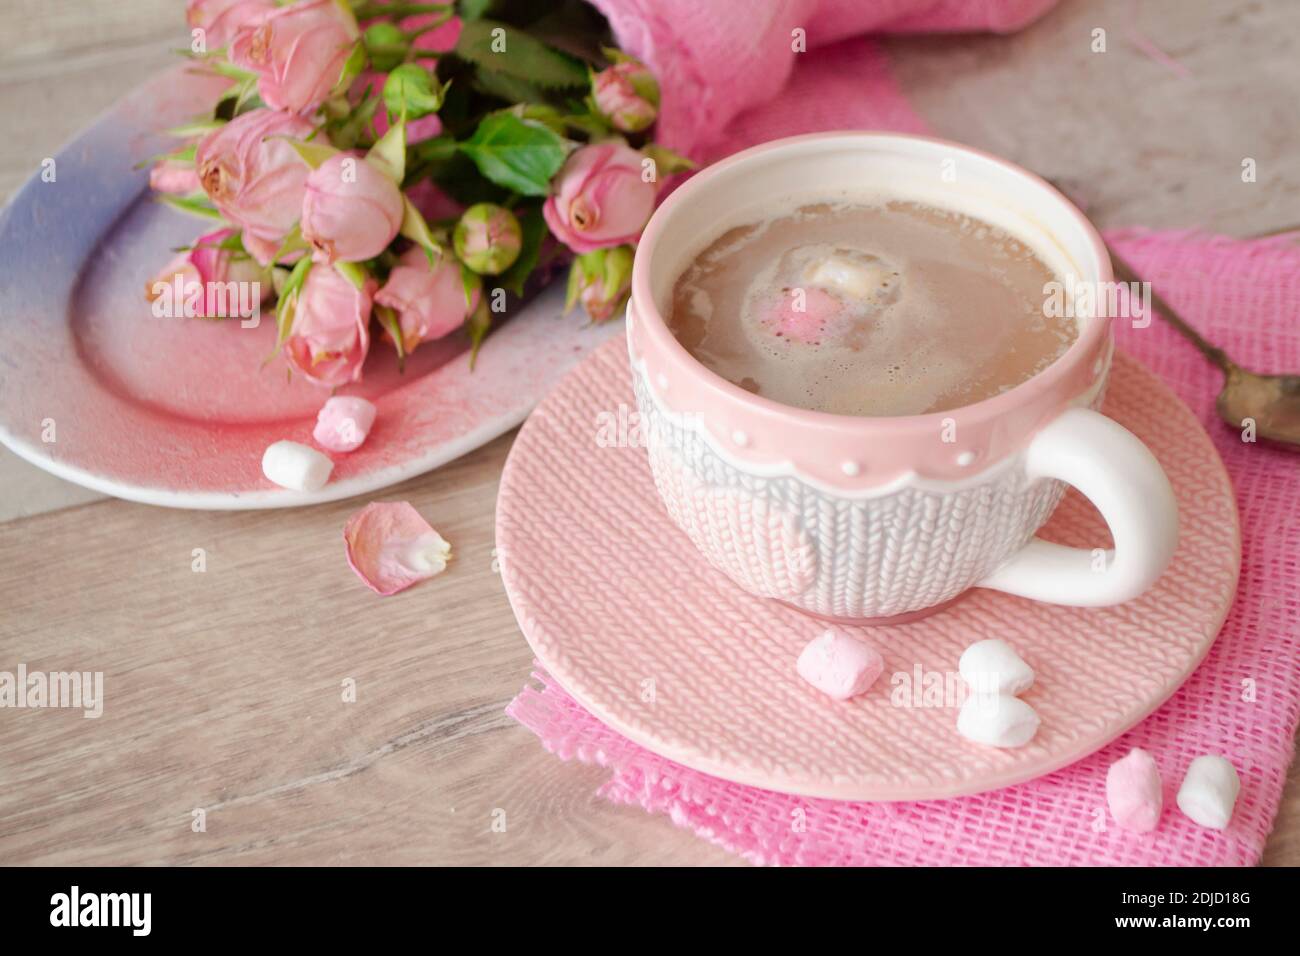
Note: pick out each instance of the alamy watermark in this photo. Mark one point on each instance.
(185, 298)
(75, 690)
(1076, 298)
(625, 427)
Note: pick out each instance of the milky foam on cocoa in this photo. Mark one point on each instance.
(889, 308)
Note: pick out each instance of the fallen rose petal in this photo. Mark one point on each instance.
(343, 423)
(391, 547)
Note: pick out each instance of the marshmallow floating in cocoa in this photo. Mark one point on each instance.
(857, 277)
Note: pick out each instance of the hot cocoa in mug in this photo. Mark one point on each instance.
(856, 400)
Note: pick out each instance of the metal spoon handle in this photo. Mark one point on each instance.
(1124, 272)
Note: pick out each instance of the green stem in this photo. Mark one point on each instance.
(398, 11)
(428, 27)
(412, 52)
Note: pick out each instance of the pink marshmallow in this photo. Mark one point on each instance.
(1133, 791)
(839, 664)
(809, 325)
(343, 423)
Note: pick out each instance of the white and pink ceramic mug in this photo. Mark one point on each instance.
(882, 519)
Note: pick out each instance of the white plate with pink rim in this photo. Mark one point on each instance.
(178, 412)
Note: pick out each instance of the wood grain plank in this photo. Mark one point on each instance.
(223, 693)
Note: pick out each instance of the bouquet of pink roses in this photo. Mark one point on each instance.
(410, 165)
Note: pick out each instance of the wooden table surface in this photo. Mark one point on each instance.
(224, 687)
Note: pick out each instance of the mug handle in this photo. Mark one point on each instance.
(1120, 476)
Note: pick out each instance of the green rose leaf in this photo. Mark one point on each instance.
(509, 50)
(478, 323)
(412, 91)
(506, 87)
(417, 230)
(313, 154)
(389, 154)
(517, 154)
(352, 67)
(472, 9)
(387, 319)
(287, 305)
(196, 204)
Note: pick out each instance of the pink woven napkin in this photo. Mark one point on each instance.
(719, 59)
(1244, 700)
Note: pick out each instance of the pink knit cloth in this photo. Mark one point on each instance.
(1244, 295)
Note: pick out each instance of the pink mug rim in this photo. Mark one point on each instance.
(644, 311)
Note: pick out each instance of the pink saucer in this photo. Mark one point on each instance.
(627, 616)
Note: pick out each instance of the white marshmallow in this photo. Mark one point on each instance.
(997, 720)
(841, 274)
(993, 667)
(1209, 791)
(291, 465)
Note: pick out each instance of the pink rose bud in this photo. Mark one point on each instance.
(174, 176)
(219, 282)
(297, 52)
(429, 302)
(343, 423)
(487, 238)
(390, 546)
(254, 176)
(599, 198)
(351, 210)
(627, 95)
(601, 281)
(221, 19)
(330, 335)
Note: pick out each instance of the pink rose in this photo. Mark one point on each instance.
(297, 52)
(174, 176)
(599, 198)
(221, 19)
(429, 303)
(211, 277)
(330, 335)
(351, 210)
(627, 95)
(255, 177)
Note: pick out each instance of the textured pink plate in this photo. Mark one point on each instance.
(178, 411)
(636, 626)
